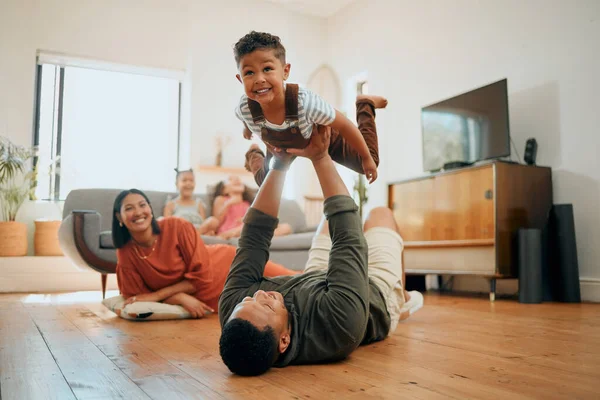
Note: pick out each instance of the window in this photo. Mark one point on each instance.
(100, 125)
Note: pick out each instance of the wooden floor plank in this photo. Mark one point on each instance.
(89, 373)
(156, 376)
(27, 368)
(454, 347)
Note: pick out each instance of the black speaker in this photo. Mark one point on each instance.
(563, 262)
(530, 151)
(529, 261)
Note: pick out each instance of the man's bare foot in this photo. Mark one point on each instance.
(378, 101)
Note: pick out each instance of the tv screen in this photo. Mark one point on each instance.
(467, 128)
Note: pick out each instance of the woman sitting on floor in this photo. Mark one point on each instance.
(167, 261)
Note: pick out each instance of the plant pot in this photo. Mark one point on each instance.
(13, 239)
(45, 238)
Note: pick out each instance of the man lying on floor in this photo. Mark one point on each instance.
(350, 293)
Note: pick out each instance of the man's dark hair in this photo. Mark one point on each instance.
(120, 234)
(258, 41)
(245, 349)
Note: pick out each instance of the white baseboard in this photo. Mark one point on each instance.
(47, 275)
(590, 289)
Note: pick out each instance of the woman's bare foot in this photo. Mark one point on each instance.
(378, 101)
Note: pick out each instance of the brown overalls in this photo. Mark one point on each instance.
(291, 137)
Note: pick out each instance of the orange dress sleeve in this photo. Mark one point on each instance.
(196, 259)
(128, 278)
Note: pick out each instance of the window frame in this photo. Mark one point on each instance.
(62, 61)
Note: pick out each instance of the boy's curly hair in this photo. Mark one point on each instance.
(258, 41)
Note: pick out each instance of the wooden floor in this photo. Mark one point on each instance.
(70, 347)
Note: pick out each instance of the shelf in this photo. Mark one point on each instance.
(213, 169)
(449, 243)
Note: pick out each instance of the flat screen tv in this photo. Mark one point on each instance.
(466, 128)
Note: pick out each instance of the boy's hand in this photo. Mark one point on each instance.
(247, 133)
(370, 169)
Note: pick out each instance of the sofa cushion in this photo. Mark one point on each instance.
(297, 241)
(106, 241)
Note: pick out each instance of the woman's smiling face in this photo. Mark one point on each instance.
(136, 213)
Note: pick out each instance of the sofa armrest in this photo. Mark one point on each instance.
(79, 237)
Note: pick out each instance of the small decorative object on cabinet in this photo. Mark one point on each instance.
(463, 221)
(221, 142)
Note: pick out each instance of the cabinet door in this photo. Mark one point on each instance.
(412, 203)
(464, 205)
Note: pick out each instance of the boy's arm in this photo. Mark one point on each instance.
(350, 132)
(355, 139)
(247, 132)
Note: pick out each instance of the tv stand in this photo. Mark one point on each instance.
(456, 164)
(464, 221)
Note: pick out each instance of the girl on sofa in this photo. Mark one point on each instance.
(167, 261)
(231, 200)
(186, 205)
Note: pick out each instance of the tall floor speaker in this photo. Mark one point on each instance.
(529, 261)
(562, 255)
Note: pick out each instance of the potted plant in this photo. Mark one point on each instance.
(17, 183)
(360, 193)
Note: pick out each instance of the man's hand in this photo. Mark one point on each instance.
(370, 169)
(151, 297)
(318, 147)
(282, 157)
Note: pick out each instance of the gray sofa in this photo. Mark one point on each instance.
(85, 232)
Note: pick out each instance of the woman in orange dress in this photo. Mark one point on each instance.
(167, 261)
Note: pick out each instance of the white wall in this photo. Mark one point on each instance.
(152, 33)
(419, 52)
(216, 91)
(181, 34)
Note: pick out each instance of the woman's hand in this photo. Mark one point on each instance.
(194, 306)
(151, 297)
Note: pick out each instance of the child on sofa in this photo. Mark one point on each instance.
(186, 205)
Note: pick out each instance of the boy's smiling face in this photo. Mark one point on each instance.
(262, 75)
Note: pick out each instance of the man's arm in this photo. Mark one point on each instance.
(260, 222)
(347, 277)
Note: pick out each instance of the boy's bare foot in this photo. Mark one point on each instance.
(378, 101)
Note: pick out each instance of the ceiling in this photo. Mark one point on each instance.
(319, 8)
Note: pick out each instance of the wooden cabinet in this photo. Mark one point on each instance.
(464, 221)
